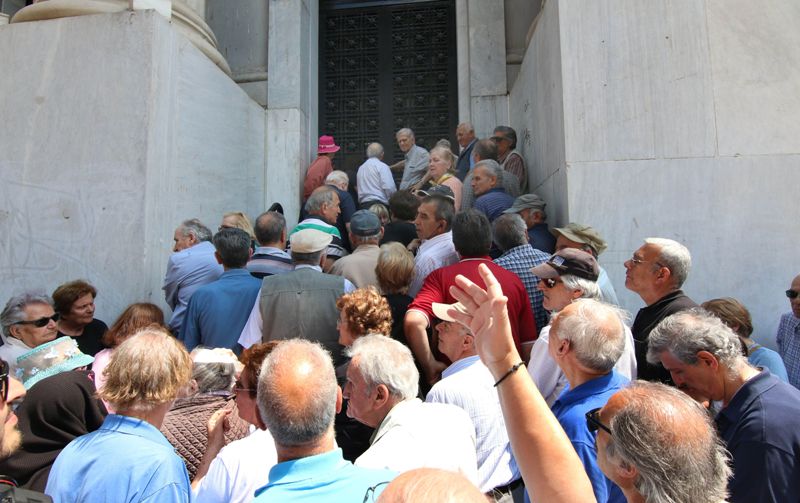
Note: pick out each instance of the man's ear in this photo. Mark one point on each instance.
(260, 422)
(381, 396)
(707, 359)
(338, 399)
(626, 472)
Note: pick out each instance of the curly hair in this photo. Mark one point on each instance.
(366, 312)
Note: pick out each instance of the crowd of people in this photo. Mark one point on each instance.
(436, 341)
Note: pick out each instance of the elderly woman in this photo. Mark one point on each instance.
(74, 303)
(56, 410)
(395, 271)
(134, 318)
(442, 168)
(213, 376)
(28, 321)
(737, 317)
(362, 312)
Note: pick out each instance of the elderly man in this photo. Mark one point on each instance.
(191, 266)
(656, 272)
(374, 181)
(270, 257)
(298, 398)
(472, 240)
(300, 303)
(434, 216)
(583, 237)
(218, 311)
(468, 384)
(322, 165)
(759, 410)
(531, 208)
(567, 276)
(365, 234)
(465, 134)
(509, 157)
(128, 459)
(586, 340)
(788, 337)
(340, 181)
(323, 210)
(487, 185)
(485, 150)
(657, 444)
(520, 257)
(415, 164)
(381, 389)
(28, 321)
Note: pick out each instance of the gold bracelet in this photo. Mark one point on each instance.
(510, 371)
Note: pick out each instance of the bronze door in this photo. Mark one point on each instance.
(385, 66)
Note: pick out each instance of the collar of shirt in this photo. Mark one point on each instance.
(270, 250)
(494, 190)
(304, 469)
(460, 365)
(239, 271)
(485, 258)
(134, 426)
(589, 388)
(744, 397)
(307, 266)
(392, 418)
(429, 243)
(201, 247)
(364, 248)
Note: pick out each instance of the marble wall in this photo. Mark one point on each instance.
(679, 119)
(117, 128)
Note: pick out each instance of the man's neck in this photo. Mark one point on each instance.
(319, 217)
(653, 296)
(730, 385)
(277, 246)
(578, 376)
(320, 446)
(154, 416)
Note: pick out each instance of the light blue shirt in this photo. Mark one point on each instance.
(325, 477)
(127, 460)
(218, 311)
(606, 288)
(188, 270)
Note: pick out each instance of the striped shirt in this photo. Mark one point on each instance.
(335, 249)
(493, 203)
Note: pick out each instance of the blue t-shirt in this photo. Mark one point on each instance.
(766, 358)
(570, 409)
(126, 460)
(325, 477)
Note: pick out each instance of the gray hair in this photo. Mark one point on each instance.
(686, 333)
(596, 331)
(669, 439)
(589, 289)
(466, 126)
(213, 375)
(195, 228)
(383, 360)
(405, 132)
(292, 422)
(509, 231)
(269, 227)
(14, 312)
(337, 177)
(675, 257)
(374, 150)
(493, 168)
(318, 198)
(510, 134)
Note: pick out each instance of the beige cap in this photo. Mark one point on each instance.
(310, 241)
(440, 310)
(582, 234)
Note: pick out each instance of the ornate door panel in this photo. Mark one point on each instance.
(385, 66)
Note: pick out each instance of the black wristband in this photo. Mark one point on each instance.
(510, 371)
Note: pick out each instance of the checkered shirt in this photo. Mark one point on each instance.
(520, 260)
(788, 340)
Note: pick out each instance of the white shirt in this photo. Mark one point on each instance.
(548, 376)
(239, 469)
(468, 384)
(374, 181)
(424, 435)
(433, 253)
(251, 333)
(10, 351)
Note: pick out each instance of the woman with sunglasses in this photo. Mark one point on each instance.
(28, 321)
(570, 274)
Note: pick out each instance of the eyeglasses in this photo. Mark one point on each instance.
(41, 322)
(238, 387)
(550, 282)
(370, 494)
(4, 380)
(792, 294)
(593, 421)
(636, 261)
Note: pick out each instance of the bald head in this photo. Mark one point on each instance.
(297, 393)
(668, 440)
(431, 484)
(596, 332)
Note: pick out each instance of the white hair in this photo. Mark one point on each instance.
(337, 177)
(374, 150)
(383, 360)
(596, 331)
(674, 256)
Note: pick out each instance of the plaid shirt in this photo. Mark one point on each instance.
(788, 340)
(520, 260)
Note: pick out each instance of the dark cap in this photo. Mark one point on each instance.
(569, 261)
(365, 223)
(439, 190)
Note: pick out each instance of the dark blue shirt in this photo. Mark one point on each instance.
(760, 428)
(218, 311)
(539, 237)
(493, 203)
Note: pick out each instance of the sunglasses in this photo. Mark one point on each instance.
(792, 294)
(550, 282)
(4, 380)
(41, 322)
(593, 421)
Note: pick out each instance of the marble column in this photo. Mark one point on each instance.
(3, 19)
(291, 100)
